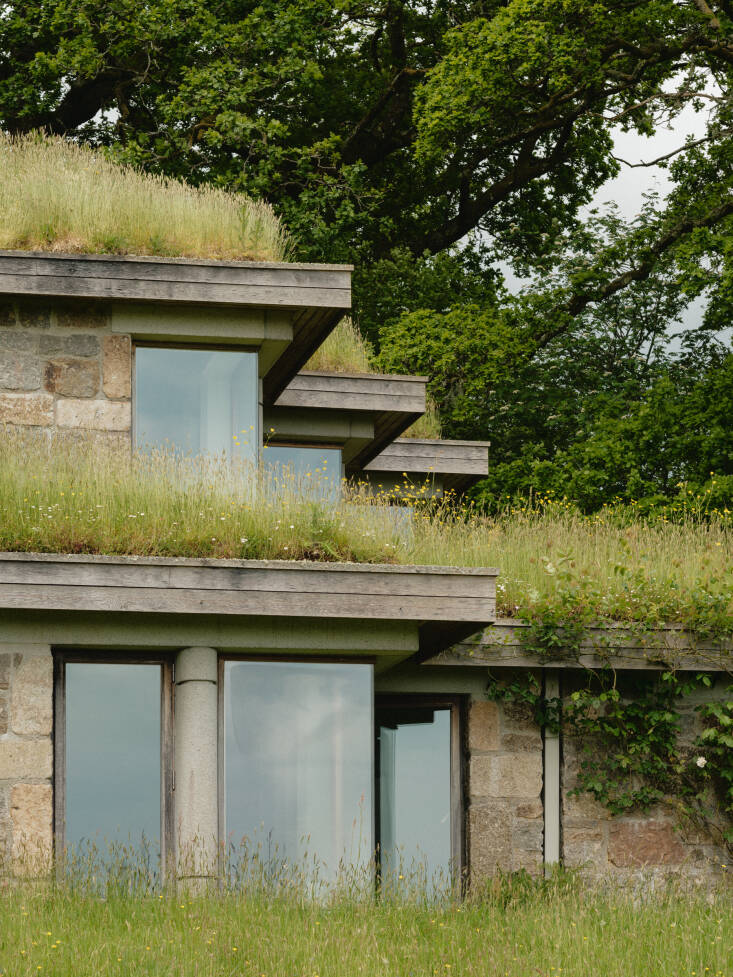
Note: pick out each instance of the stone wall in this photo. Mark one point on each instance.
(504, 796)
(653, 843)
(26, 757)
(62, 370)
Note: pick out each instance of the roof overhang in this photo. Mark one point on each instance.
(615, 644)
(287, 309)
(388, 403)
(443, 605)
(456, 464)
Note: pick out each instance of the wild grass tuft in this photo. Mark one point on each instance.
(428, 426)
(56, 195)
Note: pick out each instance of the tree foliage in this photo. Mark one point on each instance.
(373, 125)
(425, 142)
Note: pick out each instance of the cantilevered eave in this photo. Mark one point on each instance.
(391, 403)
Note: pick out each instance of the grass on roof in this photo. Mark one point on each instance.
(344, 351)
(429, 425)
(56, 195)
(67, 498)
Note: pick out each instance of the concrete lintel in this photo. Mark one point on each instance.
(114, 633)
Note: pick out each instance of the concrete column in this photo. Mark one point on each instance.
(551, 764)
(196, 769)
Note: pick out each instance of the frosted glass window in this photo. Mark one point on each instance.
(197, 401)
(415, 793)
(112, 754)
(307, 467)
(298, 760)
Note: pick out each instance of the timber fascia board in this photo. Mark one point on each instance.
(461, 462)
(445, 603)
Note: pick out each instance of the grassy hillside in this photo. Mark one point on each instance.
(59, 196)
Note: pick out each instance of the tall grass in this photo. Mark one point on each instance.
(71, 498)
(427, 426)
(344, 351)
(514, 928)
(56, 195)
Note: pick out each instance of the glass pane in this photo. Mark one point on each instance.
(197, 401)
(306, 467)
(414, 793)
(298, 757)
(113, 754)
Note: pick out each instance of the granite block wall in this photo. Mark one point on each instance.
(504, 796)
(63, 370)
(26, 758)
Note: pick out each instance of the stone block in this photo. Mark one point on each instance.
(518, 717)
(583, 846)
(530, 809)
(69, 376)
(82, 317)
(483, 726)
(31, 816)
(34, 409)
(529, 861)
(511, 775)
(4, 713)
(583, 810)
(19, 371)
(528, 835)
(18, 341)
(117, 367)
(31, 316)
(489, 840)
(5, 671)
(77, 344)
(25, 759)
(632, 844)
(93, 415)
(521, 742)
(31, 703)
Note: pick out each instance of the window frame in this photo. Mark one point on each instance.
(63, 657)
(456, 704)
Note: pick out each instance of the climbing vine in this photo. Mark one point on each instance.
(632, 753)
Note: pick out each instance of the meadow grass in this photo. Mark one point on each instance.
(72, 497)
(513, 928)
(56, 195)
